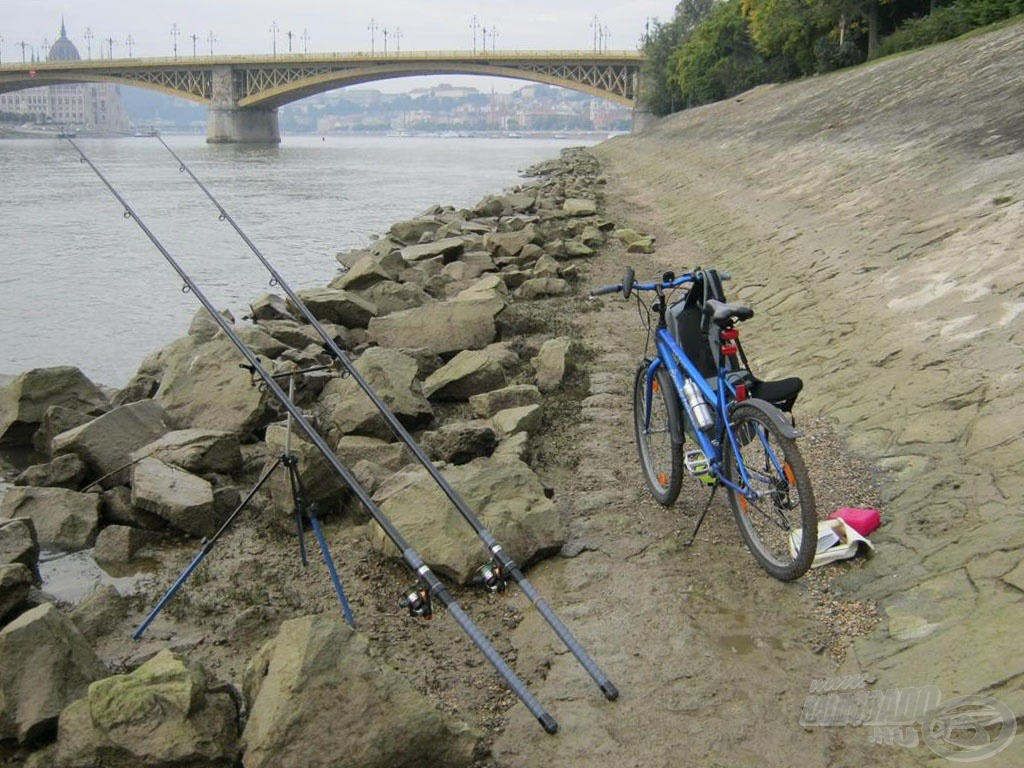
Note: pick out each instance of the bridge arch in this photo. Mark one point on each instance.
(244, 92)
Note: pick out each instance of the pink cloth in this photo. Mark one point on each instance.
(863, 521)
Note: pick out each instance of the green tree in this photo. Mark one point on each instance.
(658, 90)
(720, 58)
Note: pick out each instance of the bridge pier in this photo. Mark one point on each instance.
(242, 126)
(230, 124)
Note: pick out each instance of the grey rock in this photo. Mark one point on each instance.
(317, 689)
(205, 388)
(63, 520)
(353, 448)
(270, 307)
(363, 274)
(486, 404)
(512, 421)
(448, 248)
(67, 471)
(25, 399)
(555, 361)
(180, 498)
(542, 287)
(470, 372)
(19, 543)
(45, 664)
(411, 232)
(101, 609)
(106, 443)
(460, 442)
(392, 376)
(117, 544)
(336, 306)
(199, 451)
(391, 297)
(165, 714)
(15, 582)
(576, 206)
(506, 495)
(116, 507)
(441, 327)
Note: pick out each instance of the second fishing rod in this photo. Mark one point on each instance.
(504, 567)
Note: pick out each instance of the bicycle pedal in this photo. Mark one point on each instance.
(697, 463)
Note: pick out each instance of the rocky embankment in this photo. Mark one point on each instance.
(436, 315)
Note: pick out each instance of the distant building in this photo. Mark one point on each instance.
(82, 106)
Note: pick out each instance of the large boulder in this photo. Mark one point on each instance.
(206, 388)
(45, 664)
(441, 327)
(506, 496)
(337, 306)
(470, 372)
(270, 307)
(182, 499)
(168, 713)
(577, 206)
(392, 376)
(106, 443)
(505, 245)
(317, 690)
(199, 451)
(63, 520)
(25, 399)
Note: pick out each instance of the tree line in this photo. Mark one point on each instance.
(714, 49)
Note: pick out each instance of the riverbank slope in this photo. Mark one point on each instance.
(874, 218)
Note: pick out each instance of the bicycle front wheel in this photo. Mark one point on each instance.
(660, 454)
(776, 506)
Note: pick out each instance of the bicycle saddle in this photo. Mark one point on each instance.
(723, 315)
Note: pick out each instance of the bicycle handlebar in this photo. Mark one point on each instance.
(629, 284)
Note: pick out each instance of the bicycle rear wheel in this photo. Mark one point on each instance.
(660, 453)
(778, 505)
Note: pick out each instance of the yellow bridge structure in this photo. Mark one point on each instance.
(243, 93)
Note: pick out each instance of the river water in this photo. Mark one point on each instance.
(82, 285)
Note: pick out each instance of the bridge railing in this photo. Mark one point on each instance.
(340, 57)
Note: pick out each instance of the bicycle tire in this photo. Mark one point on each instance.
(661, 454)
(785, 500)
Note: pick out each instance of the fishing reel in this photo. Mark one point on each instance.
(491, 577)
(417, 600)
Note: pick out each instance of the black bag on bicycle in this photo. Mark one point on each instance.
(690, 324)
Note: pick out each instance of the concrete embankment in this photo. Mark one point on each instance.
(875, 220)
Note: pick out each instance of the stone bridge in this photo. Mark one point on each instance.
(244, 92)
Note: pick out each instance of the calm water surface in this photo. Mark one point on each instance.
(81, 285)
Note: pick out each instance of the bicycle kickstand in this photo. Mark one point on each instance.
(703, 514)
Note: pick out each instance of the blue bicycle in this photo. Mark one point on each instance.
(699, 387)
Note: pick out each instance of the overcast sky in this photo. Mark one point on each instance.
(247, 26)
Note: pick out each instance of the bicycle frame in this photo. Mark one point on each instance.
(679, 367)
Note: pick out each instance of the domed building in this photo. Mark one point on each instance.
(92, 107)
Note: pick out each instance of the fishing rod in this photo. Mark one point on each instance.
(419, 599)
(503, 566)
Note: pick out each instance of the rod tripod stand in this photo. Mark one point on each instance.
(304, 510)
